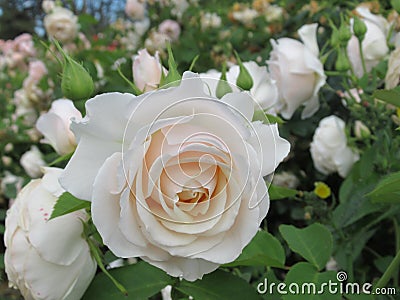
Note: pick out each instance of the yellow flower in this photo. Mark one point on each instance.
(322, 190)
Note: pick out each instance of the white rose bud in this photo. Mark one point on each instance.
(361, 130)
(46, 259)
(298, 72)
(147, 70)
(32, 162)
(61, 24)
(54, 125)
(329, 149)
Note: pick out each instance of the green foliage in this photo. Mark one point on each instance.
(218, 285)
(314, 243)
(387, 190)
(263, 250)
(67, 203)
(141, 281)
(310, 283)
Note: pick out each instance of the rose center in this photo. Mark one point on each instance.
(193, 195)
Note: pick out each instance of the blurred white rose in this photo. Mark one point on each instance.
(46, 259)
(210, 20)
(298, 72)
(245, 16)
(48, 6)
(136, 9)
(156, 41)
(175, 176)
(32, 162)
(374, 45)
(54, 125)
(392, 78)
(170, 28)
(61, 24)
(329, 149)
(147, 70)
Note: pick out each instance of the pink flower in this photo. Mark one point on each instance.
(37, 70)
(24, 44)
(171, 28)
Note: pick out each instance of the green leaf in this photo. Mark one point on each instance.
(278, 192)
(61, 159)
(387, 190)
(388, 96)
(314, 242)
(263, 250)
(306, 277)
(260, 115)
(141, 281)
(218, 285)
(67, 203)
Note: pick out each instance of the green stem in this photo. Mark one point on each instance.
(397, 233)
(362, 56)
(96, 255)
(383, 281)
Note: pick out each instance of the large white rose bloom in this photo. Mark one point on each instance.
(175, 176)
(329, 149)
(46, 259)
(298, 72)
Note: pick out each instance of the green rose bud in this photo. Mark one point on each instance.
(76, 82)
(244, 80)
(223, 86)
(344, 34)
(359, 28)
(342, 63)
(335, 37)
(173, 77)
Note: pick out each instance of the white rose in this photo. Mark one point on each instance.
(175, 176)
(61, 24)
(392, 77)
(32, 162)
(54, 125)
(147, 70)
(48, 6)
(135, 9)
(264, 90)
(46, 259)
(329, 149)
(374, 46)
(170, 28)
(298, 72)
